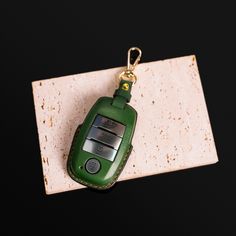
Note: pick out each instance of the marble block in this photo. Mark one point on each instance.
(173, 130)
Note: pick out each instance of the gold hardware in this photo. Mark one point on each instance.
(132, 66)
(128, 74)
(125, 86)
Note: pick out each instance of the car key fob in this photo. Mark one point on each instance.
(102, 144)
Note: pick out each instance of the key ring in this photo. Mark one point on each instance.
(128, 74)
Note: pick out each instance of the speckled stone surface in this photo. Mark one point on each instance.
(173, 130)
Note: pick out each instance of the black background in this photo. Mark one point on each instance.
(43, 40)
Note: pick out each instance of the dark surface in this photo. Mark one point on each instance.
(40, 41)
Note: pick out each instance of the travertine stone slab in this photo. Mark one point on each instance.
(173, 130)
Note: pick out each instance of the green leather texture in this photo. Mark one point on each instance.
(121, 92)
(117, 109)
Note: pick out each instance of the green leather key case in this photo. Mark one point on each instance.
(102, 144)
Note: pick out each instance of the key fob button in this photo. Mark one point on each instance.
(92, 166)
(110, 125)
(104, 137)
(99, 149)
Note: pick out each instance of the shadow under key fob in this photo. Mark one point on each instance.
(102, 144)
